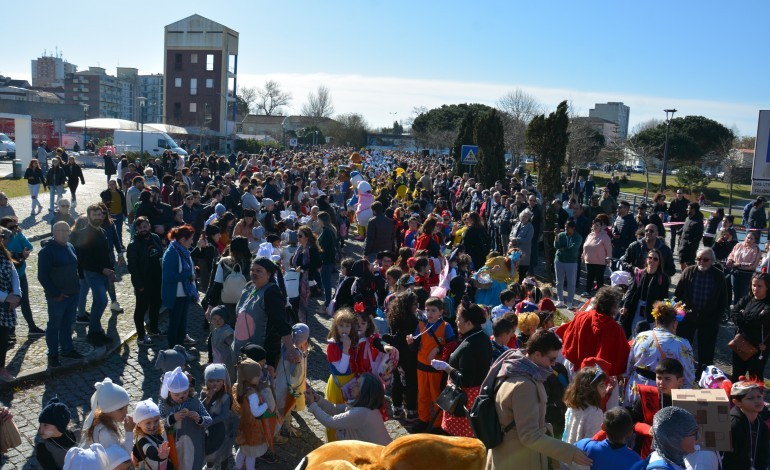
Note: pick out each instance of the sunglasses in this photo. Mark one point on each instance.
(12, 227)
(653, 258)
(700, 258)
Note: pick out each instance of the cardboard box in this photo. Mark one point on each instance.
(711, 409)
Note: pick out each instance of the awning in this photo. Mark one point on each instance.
(106, 124)
(167, 128)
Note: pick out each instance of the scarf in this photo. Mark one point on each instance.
(517, 364)
(184, 256)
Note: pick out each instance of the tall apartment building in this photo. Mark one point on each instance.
(200, 70)
(104, 94)
(50, 71)
(615, 112)
(151, 87)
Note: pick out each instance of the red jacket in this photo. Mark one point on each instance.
(592, 334)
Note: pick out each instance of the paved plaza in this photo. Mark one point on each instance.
(131, 366)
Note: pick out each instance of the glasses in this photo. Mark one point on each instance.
(652, 258)
(702, 259)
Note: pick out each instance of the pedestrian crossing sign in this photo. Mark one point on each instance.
(469, 154)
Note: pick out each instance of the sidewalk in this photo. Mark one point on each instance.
(27, 359)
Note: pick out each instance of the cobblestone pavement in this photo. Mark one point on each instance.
(127, 364)
(133, 366)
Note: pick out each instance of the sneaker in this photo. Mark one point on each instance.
(53, 361)
(83, 319)
(35, 331)
(280, 439)
(561, 305)
(269, 457)
(189, 341)
(145, 341)
(410, 416)
(154, 333)
(115, 307)
(73, 355)
(398, 412)
(586, 294)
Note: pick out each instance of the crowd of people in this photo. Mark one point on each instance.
(443, 294)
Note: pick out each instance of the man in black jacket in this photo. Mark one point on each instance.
(145, 253)
(94, 259)
(677, 211)
(380, 233)
(691, 234)
(636, 253)
(702, 288)
(623, 230)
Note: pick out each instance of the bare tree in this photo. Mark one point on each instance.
(731, 159)
(248, 95)
(643, 126)
(517, 109)
(349, 129)
(646, 154)
(319, 104)
(584, 143)
(270, 98)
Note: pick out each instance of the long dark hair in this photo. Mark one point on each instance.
(660, 259)
(371, 393)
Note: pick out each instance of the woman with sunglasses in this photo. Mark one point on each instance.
(650, 284)
(650, 347)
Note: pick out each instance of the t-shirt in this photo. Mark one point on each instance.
(606, 457)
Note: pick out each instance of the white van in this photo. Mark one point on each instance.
(155, 142)
(7, 147)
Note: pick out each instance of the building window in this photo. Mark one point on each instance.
(193, 86)
(209, 62)
(177, 110)
(177, 61)
(193, 107)
(178, 82)
(209, 83)
(193, 58)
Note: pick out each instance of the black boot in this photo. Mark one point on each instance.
(53, 361)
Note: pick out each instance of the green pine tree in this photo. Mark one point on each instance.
(489, 135)
(547, 138)
(464, 137)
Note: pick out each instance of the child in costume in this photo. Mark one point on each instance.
(217, 401)
(340, 343)
(151, 447)
(290, 378)
(185, 418)
(429, 339)
(221, 339)
(250, 436)
(584, 399)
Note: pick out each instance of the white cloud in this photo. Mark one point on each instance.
(376, 97)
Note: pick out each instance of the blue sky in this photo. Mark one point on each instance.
(382, 58)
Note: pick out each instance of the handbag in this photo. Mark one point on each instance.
(743, 348)
(9, 436)
(452, 400)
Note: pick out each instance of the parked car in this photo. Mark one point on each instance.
(7, 147)
(709, 173)
(639, 169)
(674, 172)
(594, 166)
(721, 175)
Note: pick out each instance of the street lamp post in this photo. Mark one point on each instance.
(85, 123)
(142, 101)
(669, 118)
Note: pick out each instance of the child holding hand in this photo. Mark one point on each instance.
(151, 447)
(185, 418)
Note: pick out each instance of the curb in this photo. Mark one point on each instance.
(41, 372)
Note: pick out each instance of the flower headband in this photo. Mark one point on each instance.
(678, 306)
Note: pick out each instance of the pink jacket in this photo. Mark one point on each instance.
(597, 247)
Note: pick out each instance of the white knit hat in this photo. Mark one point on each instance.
(174, 382)
(116, 455)
(145, 409)
(92, 458)
(108, 397)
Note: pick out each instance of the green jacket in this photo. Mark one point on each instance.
(567, 247)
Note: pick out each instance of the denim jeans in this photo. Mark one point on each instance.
(117, 219)
(326, 280)
(566, 274)
(58, 332)
(177, 321)
(83, 297)
(98, 284)
(26, 310)
(56, 192)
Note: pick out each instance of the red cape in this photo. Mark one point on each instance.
(592, 334)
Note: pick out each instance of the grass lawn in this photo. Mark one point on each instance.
(15, 188)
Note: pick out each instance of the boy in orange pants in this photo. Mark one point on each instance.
(430, 338)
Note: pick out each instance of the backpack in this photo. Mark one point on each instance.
(482, 415)
(233, 284)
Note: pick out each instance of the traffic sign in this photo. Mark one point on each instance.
(469, 154)
(293, 142)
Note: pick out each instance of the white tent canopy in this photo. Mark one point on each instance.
(106, 124)
(167, 128)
